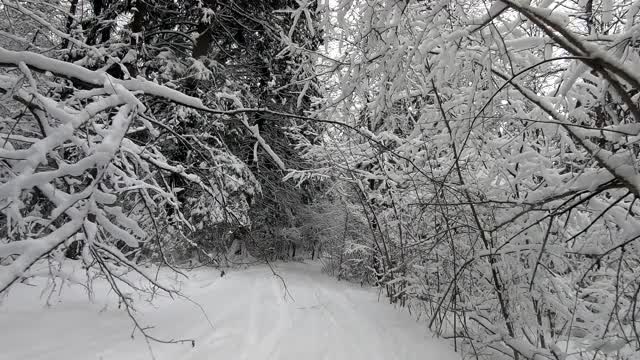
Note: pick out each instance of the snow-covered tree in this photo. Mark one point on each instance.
(479, 160)
(493, 145)
(125, 138)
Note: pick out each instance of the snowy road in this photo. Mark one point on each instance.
(252, 319)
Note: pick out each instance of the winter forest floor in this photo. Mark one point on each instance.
(253, 317)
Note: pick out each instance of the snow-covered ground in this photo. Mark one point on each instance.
(252, 317)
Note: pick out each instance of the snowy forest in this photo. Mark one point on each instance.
(476, 162)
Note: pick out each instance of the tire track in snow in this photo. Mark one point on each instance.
(354, 311)
(342, 316)
(211, 340)
(251, 337)
(267, 348)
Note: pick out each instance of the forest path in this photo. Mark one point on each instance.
(253, 318)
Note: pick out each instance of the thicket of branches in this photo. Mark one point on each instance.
(493, 149)
(477, 160)
(138, 132)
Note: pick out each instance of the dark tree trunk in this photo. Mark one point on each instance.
(72, 12)
(293, 249)
(203, 42)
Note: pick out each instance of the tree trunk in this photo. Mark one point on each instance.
(72, 12)
(203, 42)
